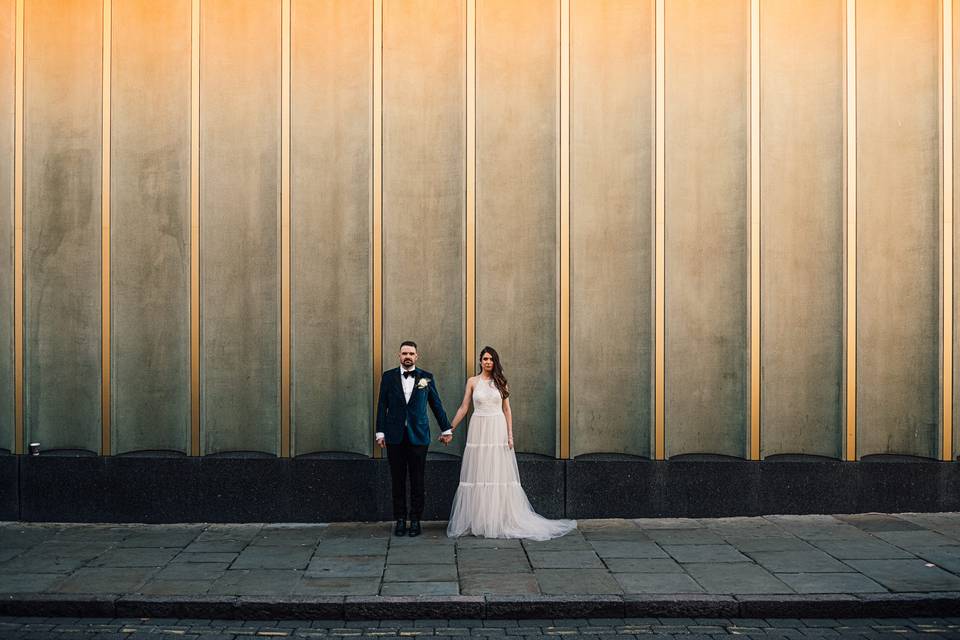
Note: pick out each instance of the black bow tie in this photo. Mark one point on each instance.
(409, 374)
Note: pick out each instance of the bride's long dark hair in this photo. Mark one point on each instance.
(499, 380)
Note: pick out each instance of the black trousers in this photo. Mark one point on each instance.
(407, 458)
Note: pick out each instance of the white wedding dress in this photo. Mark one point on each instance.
(490, 501)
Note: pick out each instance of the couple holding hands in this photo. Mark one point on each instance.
(489, 501)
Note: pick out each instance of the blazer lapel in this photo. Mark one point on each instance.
(398, 380)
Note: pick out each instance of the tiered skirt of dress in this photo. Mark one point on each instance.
(490, 501)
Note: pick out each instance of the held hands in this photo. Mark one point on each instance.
(445, 439)
(381, 443)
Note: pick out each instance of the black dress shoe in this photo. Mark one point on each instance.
(401, 528)
(414, 528)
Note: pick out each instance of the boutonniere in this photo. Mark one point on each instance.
(423, 383)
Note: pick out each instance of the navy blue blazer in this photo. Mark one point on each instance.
(395, 415)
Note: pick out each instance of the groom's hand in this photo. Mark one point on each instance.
(446, 439)
(381, 443)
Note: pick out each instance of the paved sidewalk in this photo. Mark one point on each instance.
(33, 628)
(858, 565)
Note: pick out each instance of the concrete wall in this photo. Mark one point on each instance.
(802, 251)
(424, 172)
(707, 123)
(898, 234)
(240, 234)
(519, 189)
(150, 226)
(61, 236)
(331, 165)
(612, 67)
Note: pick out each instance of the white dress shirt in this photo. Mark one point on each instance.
(407, 382)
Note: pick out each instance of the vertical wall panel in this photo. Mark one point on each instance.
(801, 53)
(517, 164)
(239, 224)
(897, 235)
(611, 209)
(62, 223)
(331, 96)
(955, 149)
(150, 225)
(707, 110)
(424, 164)
(7, 63)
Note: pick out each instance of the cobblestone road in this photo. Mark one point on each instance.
(599, 629)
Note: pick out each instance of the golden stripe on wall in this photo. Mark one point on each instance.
(105, 448)
(18, 237)
(377, 206)
(564, 190)
(850, 156)
(754, 230)
(195, 229)
(946, 234)
(470, 330)
(659, 434)
(285, 444)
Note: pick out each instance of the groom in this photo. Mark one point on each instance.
(404, 430)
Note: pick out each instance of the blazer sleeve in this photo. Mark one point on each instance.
(437, 407)
(382, 406)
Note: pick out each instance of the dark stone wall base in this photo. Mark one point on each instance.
(318, 488)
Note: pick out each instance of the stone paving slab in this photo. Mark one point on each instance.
(863, 562)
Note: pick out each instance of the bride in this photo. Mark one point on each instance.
(490, 501)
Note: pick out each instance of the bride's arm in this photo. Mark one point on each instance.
(464, 406)
(509, 416)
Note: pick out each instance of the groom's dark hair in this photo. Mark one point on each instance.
(409, 343)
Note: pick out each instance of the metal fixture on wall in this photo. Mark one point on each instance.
(105, 376)
(659, 395)
(195, 445)
(946, 233)
(377, 208)
(563, 397)
(754, 288)
(18, 236)
(850, 257)
(285, 440)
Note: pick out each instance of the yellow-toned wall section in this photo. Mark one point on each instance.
(331, 157)
(150, 225)
(240, 225)
(486, 176)
(424, 66)
(898, 220)
(517, 212)
(707, 222)
(62, 131)
(612, 65)
(802, 226)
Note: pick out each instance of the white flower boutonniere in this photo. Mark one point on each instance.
(423, 383)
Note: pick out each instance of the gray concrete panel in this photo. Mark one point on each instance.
(424, 167)
(62, 74)
(802, 216)
(707, 226)
(331, 165)
(612, 67)
(239, 225)
(897, 227)
(7, 54)
(517, 213)
(150, 226)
